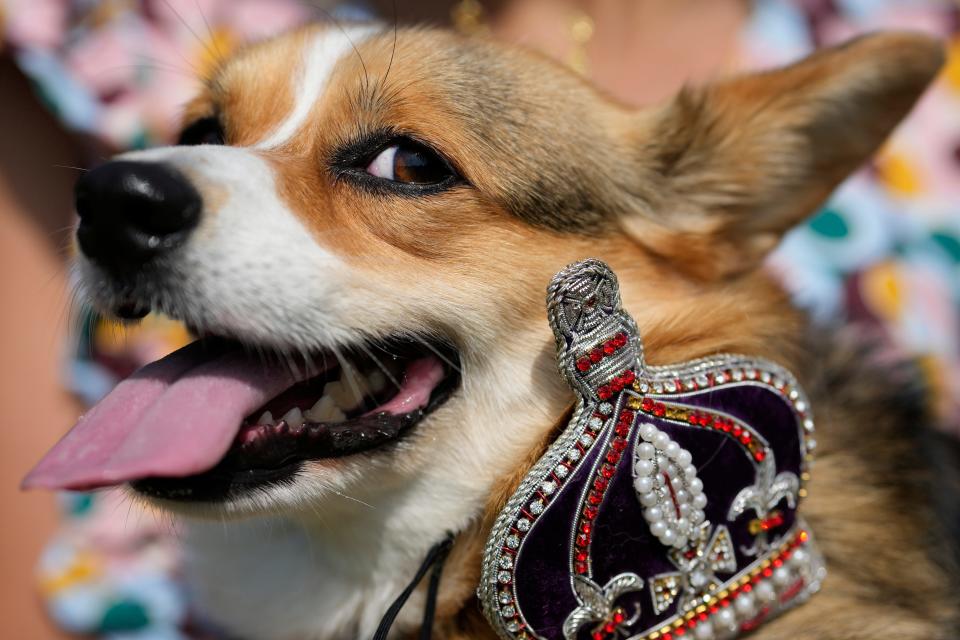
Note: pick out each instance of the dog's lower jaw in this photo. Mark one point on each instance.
(330, 570)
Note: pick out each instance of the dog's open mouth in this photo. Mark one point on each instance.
(214, 418)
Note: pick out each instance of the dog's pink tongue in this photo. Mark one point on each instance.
(173, 418)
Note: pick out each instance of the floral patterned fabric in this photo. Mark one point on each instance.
(120, 70)
(113, 571)
(885, 250)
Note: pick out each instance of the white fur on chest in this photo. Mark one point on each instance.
(275, 579)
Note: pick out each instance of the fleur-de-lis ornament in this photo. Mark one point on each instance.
(763, 497)
(698, 567)
(633, 494)
(599, 605)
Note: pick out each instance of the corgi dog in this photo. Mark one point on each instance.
(359, 225)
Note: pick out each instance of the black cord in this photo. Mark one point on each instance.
(435, 558)
(426, 629)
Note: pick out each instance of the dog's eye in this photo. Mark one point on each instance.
(385, 162)
(409, 162)
(203, 131)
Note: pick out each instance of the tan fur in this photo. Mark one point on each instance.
(749, 157)
(891, 570)
(683, 200)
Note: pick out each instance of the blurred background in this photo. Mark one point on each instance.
(83, 79)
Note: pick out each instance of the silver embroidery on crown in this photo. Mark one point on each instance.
(708, 595)
(697, 570)
(598, 604)
(763, 497)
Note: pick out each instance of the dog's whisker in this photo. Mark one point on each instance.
(214, 54)
(349, 497)
(336, 23)
(147, 63)
(352, 376)
(383, 368)
(393, 51)
(315, 509)
(126, 517)
(350, 372)
(259, 351)
(715, 453)
(290, 363)
(66, 228)
(310, 368)
(220, 55)
(438, 353)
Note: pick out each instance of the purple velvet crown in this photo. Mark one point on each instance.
(668, 506)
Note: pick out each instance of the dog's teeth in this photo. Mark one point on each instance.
(376, 381)
(331, 389)
(355, 385)
(337, 415)
(266, 418)
(321, 411)
(294, 418)
(344, 394)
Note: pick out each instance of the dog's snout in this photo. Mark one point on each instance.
(133, 211)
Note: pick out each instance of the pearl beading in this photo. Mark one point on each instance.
(656, 405)
(669, 489)
(766, 587)
(606, 389)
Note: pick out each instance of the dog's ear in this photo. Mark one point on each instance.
(728, 168)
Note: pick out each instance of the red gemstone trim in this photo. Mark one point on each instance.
(745, 438)
(601, 351)
(727, 597)
(616, 447)
(544, 498)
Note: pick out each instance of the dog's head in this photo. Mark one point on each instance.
(361, 223)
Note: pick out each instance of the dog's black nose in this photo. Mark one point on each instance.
(133, 211)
